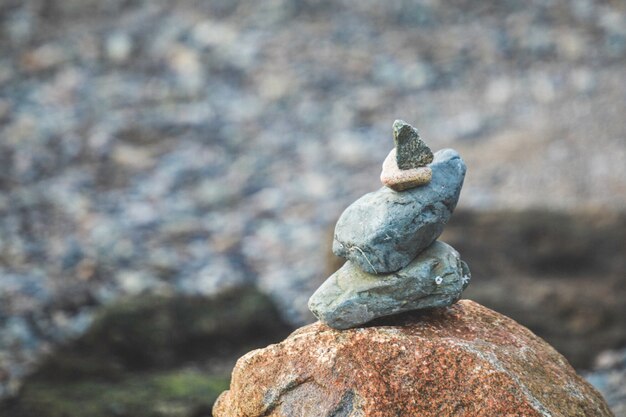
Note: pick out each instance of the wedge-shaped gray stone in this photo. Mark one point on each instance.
(351, 297)
(411, 151)
(383, 231)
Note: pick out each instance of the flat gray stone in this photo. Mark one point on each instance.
(411, 151)
(351, 297)
(383, 231)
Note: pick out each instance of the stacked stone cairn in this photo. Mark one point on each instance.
(389, 238)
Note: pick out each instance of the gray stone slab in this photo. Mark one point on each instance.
(384, 230)
(351, 297)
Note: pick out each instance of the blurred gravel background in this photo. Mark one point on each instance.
(188, 147)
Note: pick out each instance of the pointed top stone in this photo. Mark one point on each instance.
(411, 151)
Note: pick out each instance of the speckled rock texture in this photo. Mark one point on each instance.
(351, 297)
(384, 230)
(403, 179)
(462, 361)
(412, 152)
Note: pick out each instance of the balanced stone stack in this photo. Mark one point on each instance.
(389, 238)
(464, 360)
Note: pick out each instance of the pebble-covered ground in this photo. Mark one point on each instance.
(184, 146)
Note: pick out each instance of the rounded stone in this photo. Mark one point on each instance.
(461, 361)
(403, 179)
(383, 231)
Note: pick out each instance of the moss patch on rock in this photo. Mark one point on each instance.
(180, 393)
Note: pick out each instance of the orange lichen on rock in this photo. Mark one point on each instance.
(464, 360)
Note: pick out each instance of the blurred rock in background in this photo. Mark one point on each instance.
(609, 377)
(182, 148)
(151, 356)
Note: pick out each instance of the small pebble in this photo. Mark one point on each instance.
(411, 152)
(403, 179)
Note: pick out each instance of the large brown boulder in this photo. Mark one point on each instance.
(464, 360)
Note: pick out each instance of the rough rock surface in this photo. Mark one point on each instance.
(403, 179)
(384, 230)
(351, 297)
(465, 360)
(412, 152)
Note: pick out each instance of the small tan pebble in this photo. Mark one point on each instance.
(403, 179)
